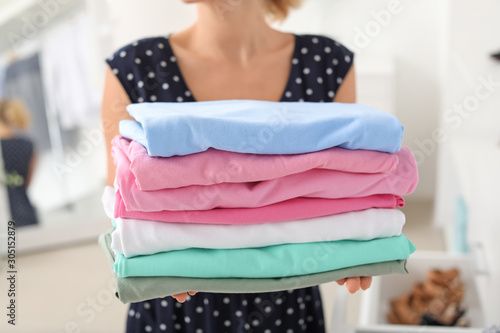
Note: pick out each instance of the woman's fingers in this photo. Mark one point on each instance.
(366, 282)
(180, 297)
(353, 284)
(341, 281)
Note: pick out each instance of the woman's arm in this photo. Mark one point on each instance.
(114, 102)
(31, 169)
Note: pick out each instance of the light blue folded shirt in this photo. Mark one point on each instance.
(259, 127)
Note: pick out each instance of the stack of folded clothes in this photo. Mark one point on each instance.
(251, 196)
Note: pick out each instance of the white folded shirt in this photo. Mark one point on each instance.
(141, 237)
(108, 201)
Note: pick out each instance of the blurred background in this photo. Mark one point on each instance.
(429, 62)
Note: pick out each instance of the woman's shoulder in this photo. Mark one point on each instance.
(318, 45)
(147, 70)
(144, 45)
(321, 63)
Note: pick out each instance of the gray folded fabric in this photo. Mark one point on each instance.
(137, 289)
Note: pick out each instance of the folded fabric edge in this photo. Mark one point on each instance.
(405, 268)
(396, 217)
(138, 294)
(392, 267)
(398, 148)
(412, 246)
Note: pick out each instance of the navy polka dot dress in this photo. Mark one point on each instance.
(148, 71)
(17, 154)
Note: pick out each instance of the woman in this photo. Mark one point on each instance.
(229, 53)
(18, 161)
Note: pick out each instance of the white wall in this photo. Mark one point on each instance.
(132, 19)
(471, 36)
(410, 38)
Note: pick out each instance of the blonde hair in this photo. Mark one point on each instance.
(278, 9)
(14, 113)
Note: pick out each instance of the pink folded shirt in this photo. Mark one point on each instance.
(293, 209)
(218, 166)
(314, 183)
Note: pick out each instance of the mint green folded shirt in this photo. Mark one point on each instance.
(265, 262)
(138, 289)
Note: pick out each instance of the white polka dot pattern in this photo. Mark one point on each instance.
(149, 68)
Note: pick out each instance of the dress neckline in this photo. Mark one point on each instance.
(186, 87)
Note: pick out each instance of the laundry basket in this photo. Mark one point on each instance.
(375, 302)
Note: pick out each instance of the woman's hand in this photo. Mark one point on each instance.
(181, 298)
(355, 283)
